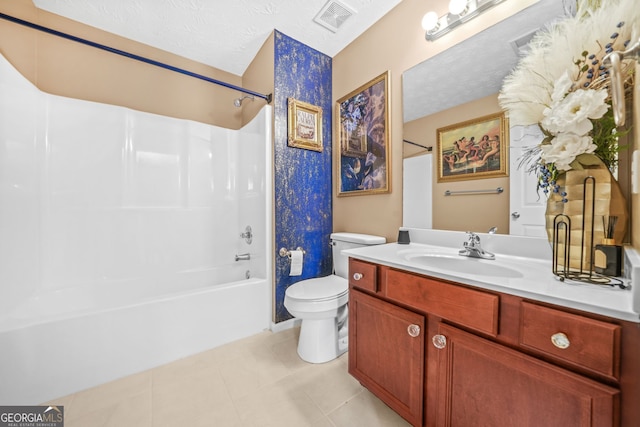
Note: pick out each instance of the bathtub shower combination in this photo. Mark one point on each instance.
(119, 239)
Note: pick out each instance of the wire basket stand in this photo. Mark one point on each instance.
(561, 262)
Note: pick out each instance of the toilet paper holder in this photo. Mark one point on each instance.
(286, 253)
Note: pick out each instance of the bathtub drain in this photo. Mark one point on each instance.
(247, 274)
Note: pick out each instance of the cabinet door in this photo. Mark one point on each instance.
(481, 383)
(386, 353)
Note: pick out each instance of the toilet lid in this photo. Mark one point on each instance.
(320, 288)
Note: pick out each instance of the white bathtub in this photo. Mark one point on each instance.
(119, 234)
(59, 343)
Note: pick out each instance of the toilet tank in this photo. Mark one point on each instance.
(342, 241)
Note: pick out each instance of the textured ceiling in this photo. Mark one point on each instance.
(473, 68)
(225, 34)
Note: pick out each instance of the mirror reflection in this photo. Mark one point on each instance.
(475, 67)
(461, 84)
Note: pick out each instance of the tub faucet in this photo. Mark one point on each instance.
(247, 235)
(243, 257)
(473, 249)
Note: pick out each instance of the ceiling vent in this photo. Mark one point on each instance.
(521, 44)
(333, 15)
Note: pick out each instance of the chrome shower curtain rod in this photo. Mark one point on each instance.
(132, 56)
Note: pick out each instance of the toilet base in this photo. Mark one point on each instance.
(320, 341)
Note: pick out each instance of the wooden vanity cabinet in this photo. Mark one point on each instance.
(482, 383)
(484, 358)
(389, 356)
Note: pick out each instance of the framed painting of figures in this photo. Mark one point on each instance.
(473, 149)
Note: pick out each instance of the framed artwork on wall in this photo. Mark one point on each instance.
(305, 125)
(362, 117)
(474, 149)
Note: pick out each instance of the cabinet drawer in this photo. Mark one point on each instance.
(363, 275)
(467, 307)
(581, 341)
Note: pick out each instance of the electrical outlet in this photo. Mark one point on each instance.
(632, 274)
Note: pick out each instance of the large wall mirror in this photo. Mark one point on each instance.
(460, 84)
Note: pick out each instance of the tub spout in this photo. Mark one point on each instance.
(243, 257)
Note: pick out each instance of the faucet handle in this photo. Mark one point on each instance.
(473, 242)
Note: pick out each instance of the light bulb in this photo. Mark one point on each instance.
(430, 21)
(457, 7)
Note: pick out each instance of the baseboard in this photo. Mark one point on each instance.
(287, 324)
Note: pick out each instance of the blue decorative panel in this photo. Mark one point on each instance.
(302, 177)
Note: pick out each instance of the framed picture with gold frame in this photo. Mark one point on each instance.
(305, 125)
(473, 149)
(362, 160)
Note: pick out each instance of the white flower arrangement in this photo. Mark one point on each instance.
(562, 86)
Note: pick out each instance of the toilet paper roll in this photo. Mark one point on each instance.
(296, 263)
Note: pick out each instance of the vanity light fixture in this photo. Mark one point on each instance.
(460, 11)
(457, 7)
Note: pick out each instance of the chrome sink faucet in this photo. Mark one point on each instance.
(473, 248)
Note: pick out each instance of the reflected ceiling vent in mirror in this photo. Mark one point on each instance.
(333, 15)
(521, 44)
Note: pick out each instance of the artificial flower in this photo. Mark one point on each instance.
(564, 149)
(575, 112)
(561, 85)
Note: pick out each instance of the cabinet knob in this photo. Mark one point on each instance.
(439, 341)
(560, 340)
(413, 330)
(357, 276)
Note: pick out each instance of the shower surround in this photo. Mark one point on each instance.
(119, 235)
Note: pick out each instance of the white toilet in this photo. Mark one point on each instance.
(321, 303)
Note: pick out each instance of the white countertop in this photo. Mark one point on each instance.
(530, 257)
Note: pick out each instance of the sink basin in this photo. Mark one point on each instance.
(463, 265)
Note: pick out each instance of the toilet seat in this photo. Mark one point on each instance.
(318, 289)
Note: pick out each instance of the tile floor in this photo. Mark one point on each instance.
(258, 381)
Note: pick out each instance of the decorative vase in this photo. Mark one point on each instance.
(593, 196)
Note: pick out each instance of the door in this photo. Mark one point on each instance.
(526, 205)
(386, 353)
(485, 384)
(417, 187)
